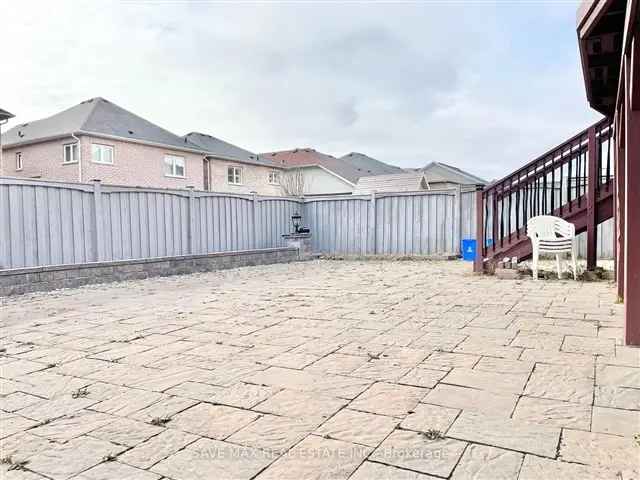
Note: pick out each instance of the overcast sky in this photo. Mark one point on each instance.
(481, 85)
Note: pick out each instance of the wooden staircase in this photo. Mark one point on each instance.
(574, 181)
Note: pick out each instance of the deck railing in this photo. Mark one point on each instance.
(556, 183)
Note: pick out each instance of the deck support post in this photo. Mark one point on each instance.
(478, 262)
(632, 195)
(619, 205)
(593, 177)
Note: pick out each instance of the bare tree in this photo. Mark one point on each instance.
(293, 182)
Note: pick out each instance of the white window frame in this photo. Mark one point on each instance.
(19, 161)
(101, 147)
(170, 164)
(236, 175)
(72, 147)
(274, 177)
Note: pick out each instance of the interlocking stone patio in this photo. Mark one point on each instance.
(322, 370)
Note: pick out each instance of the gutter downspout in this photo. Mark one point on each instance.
(206, 182)
(2, 122)
(73, 135)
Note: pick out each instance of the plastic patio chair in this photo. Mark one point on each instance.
(553, 235)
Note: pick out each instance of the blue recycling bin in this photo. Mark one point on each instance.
(468, 249)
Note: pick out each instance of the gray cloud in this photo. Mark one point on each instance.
(484, 87)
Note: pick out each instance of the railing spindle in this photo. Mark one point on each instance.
(553, 183)
(569, 182)
(544, 194)
(579, 173)
(501, 206)
(518, 212)
(494, 219)
(560, 189)
(608, 157)
(525, 205)
(509, 215)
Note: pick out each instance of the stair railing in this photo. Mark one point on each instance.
(555, 183)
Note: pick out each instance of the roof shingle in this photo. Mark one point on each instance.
(225, 150)
(368, 165)
(95, 116)
(4, 115)
(452, 174)
(309, 156)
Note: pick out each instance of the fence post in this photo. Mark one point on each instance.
(256, 216)
(191, 238)
(372, 235)
(98, 240)
(593, 177)
(457, 235)
(478, 262)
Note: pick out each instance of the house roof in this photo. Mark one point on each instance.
(369, 166)
(220, 149)
(4, 115)
(395, 182)
(309, 157)
(438, 171)
(95, 116)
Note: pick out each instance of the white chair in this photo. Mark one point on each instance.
(553, 235)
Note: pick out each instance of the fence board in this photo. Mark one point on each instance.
(42, 226)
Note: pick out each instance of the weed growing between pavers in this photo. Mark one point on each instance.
(80, 393)
(160, 421)
(433, 434)
(13, 464)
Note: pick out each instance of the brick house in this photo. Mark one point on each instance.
(97, 139)
(229, 168)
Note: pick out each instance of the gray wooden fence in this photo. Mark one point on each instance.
(605, 239)
(48, 223)
(416, 223)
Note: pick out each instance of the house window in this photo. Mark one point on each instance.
(102, 153)
(234, 175)
(174, 166)
(70, 153)
(18, 160)
(274, 177)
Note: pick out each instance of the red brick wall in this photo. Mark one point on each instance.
(139, 165)
(134, 164)
(40, 160)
